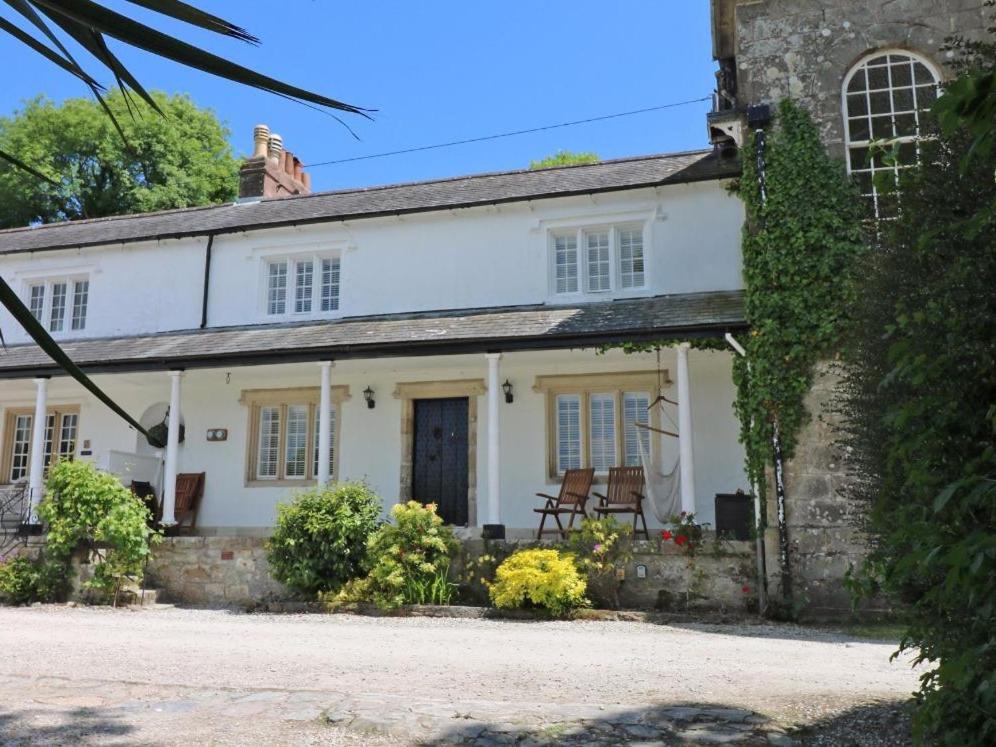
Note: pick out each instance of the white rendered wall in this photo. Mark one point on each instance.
(471, 258)
(370, 445)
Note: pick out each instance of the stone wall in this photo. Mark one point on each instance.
(802, 49)
(233, 571)
(214, 571)
(823, 522)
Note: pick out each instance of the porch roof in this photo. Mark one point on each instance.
(508, 329)
(393, 199)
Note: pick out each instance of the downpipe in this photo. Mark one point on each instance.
(762, 571)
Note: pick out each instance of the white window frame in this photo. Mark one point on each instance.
(580, 234)
(293, 261)
(69, 323)
(851, 145)
(283, 400)
(583, 388)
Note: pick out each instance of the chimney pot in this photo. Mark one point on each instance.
(306, 181)
(260, 140)
(275, 148)
(288, 163)
(298, 168)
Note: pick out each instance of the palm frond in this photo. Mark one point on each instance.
(49, 54)
(196, 17)
(122, 28)
(17, 162)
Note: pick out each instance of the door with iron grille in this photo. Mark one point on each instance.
(439, 457)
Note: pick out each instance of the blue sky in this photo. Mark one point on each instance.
(438, 71)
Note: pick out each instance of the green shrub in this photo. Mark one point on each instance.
(601, 548)
(321, 537)
(410, 559)
(86, 508)
(24, 580)
(541, 578)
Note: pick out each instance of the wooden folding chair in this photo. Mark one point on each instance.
(189, 490)
(573, 496)
(624, 495)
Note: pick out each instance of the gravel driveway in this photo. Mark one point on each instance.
(171, 676)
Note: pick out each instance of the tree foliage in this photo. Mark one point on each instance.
(564, 158)
(920, 406)
(181, 160)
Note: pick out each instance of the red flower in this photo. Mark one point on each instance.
(680, 539)
(665, 535)
(745, 589)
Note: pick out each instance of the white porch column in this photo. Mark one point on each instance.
(685, 440)
(172, 449)
(36, 468)
(494, 438)
(324, 424)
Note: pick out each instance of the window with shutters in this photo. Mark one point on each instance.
(594, 420)
(282, 447)
(301, 285)
(884, 97)
(597, 260)
(61, 429)
(60, 304)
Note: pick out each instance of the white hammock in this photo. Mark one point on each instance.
(663, 488)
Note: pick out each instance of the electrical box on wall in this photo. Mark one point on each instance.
(217, 434)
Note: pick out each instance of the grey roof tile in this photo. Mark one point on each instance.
(466, 191)
(508, 328)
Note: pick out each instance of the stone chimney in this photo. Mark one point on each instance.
(271, 171)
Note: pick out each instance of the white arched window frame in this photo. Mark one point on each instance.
(884, 94)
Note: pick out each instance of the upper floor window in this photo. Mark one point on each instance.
(60, 304)
(598, 260)
(302, 285)
(884, 96)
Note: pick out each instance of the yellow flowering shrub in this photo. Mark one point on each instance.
(542, 578)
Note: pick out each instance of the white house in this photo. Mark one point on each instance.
(405, 312)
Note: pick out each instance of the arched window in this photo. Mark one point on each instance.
(884, 94)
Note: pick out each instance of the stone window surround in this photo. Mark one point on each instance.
(596, 383)
(858, 65)
(11, 413)
(408, 392)
(255, 399)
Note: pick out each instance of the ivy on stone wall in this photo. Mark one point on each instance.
(799, 247)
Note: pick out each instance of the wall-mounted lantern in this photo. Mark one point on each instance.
(507, 388)
(368, 395)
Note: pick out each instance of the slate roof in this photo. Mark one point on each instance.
(443, 194)
(433, 333)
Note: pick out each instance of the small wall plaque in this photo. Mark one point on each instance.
(227, 554)
(217, 434)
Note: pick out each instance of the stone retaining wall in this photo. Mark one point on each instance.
(233, 571)
(214, 571)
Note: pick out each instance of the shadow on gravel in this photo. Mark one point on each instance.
(884, 724)
(672, 724)
(50, 727)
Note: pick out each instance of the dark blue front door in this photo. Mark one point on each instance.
(439, 469)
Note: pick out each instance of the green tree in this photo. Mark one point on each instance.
(920, 401)
(564, 158)
(180, 160)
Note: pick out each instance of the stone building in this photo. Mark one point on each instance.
(864, 71)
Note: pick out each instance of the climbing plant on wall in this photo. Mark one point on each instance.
(800, 243)
(801, 237)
